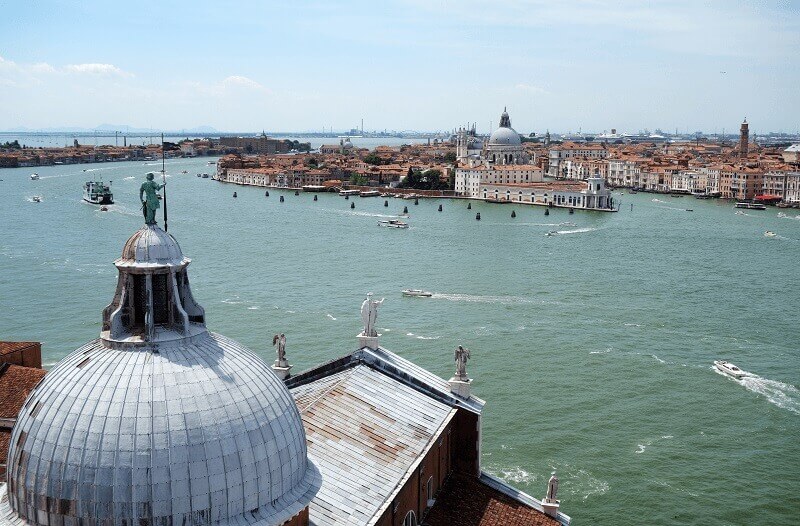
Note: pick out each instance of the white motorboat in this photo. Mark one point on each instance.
(551, 233)
(729, 369)
(37, 199)
(770, 233)
(393, 223)
(34, 177)
(417, 293)
(349, 192)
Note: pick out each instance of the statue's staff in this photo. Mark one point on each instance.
(164, 180)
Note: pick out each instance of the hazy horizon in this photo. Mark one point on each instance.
(403, 65)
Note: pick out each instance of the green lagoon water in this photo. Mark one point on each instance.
(593, 348)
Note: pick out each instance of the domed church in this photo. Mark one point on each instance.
(504, 145)
(158, 421)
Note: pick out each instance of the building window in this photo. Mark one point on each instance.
(410, 520)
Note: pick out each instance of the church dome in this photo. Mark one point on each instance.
(504, 136)
(151, 246)
(159, 421)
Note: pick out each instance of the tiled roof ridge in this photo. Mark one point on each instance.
(373, 360)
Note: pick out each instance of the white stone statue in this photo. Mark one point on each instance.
(461, 356)
(280, 341)
(552, 489)
(369, 315)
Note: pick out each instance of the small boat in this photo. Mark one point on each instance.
(551, 233)
(393, 223)
(199, 175)
(346, 193)
(690, 210)
(37, 199)
(417, 293)
(770, 233)
(370, 193)
(729, 369)
(209, 163)
(184, 172)
(702, 196)
(104, 208)
(34, 177)
(751, 206)
(98, 193)
(205, 176)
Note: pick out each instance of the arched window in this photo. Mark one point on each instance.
(410, 520)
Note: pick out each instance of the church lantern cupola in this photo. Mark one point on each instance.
(153, 301)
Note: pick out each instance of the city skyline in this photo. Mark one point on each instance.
(410, 66)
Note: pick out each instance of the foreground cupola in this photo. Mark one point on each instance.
(158, 421)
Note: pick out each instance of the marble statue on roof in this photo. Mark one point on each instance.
(369, 315)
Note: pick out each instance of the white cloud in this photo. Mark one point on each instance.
(41, 67)
(238, 80)
(531, 88)
(96, 69)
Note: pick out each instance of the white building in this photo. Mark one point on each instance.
(468, 180)
(689, 182)
(624, 172)
(792, 188)
(570, 150)
(593, 194)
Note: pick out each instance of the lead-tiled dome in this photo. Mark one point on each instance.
(150, 245)
(158, 422)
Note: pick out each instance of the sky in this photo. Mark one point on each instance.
(562, 66)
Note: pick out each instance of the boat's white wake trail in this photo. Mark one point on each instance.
(786, 216)
(783, 395)
(576, 231)
(362, 214)
(468, 298)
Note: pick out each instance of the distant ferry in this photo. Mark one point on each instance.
(350, 192)
(98, 193)
(370, 193)
(751, 206)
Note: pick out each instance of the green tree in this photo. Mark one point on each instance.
(358, 179)
(450, 157)
(371, 158)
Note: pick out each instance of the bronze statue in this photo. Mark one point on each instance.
(150, 203)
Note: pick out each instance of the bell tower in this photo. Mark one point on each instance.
(744, 133)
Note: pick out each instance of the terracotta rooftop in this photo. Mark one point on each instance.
(10, 347)
(15, 384)
(467, 501)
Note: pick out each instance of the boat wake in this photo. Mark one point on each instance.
(783, 215)
(468, 298)
(331, 317)
(576, 231)
(785, 396)
(360, 214)
(418, 337)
